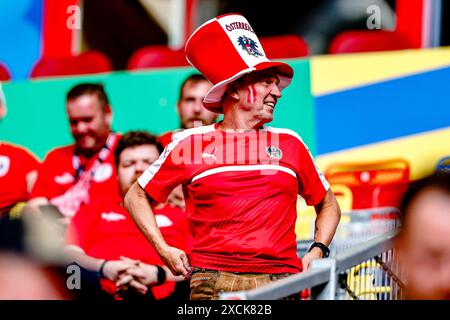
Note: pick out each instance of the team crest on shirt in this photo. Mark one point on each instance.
(274, 152)
(163, 221)
(65, 178)
(4, 165)
(250, 46)
(112, 216)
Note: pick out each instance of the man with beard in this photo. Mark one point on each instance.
(76, 174)
(190, 106)
(192, 114)
(103, 238)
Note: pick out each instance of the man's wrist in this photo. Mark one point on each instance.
(316, 251)
(160, 275)
(325, 251)
(101, 270)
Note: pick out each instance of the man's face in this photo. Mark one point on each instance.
(425, 246)
(89, 122)
(133, 161)
(190, 106)
(258, 94)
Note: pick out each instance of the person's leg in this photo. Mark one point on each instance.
(202, 284)
(209, 284)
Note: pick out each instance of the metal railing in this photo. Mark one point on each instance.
(369, 270)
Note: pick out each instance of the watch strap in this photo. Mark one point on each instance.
(321, 246)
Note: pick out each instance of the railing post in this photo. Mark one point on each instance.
(326, 291)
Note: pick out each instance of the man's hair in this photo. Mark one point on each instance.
(134, 139)
(439, 181)
(89, 88)
(196, 77)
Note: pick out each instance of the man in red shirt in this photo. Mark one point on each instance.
(102, 236)
(190, 106)
(74, 175)
(17, 170)
(192, 114)
(240, 178)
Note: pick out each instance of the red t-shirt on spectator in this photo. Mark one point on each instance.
(57, 174)
(241, 193)
(15, 164)
(105, 230)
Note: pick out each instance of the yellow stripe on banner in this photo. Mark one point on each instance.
(423, 151)
(331, 73)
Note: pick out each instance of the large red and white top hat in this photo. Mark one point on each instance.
(226, 48)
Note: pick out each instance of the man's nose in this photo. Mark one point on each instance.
(82, 127)
(141, 167)
(276, 91)
(198, 106)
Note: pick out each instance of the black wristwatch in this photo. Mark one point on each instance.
(321, 246)
(161, 274)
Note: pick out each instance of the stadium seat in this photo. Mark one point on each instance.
(367, 41)
(156, 56)
(4, 73)
(85, 63)
(284, 46)
(373, 184)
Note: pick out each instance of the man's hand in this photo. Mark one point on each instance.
(177, 262)
(315, 253)
(114, 268)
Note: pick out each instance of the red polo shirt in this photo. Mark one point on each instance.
(15, 164)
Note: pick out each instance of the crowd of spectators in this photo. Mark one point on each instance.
(81, 187)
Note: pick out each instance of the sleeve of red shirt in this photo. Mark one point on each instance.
(29, 162)
(312, 184)
(44, 179)
(167, 172)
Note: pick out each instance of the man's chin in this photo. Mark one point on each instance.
(87, 150)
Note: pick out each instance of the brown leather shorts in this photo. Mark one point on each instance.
(208, 284)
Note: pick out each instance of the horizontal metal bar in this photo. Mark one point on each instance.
(364, 251)
(290, 285)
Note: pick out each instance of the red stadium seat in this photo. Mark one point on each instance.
(284, 46)
(156, 56)
(85, 63)
(373, 184)
(4, 73)
(367, 41)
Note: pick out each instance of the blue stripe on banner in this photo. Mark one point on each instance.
(383, 111)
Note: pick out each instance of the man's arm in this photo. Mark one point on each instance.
(111, 269)
(138, 205)
(327, 220)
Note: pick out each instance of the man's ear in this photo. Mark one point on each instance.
(232, 91)
(108, 115)
(2, 110)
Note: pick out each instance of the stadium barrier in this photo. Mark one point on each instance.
(367, 271)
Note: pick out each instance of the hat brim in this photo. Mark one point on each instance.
(213, 99)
